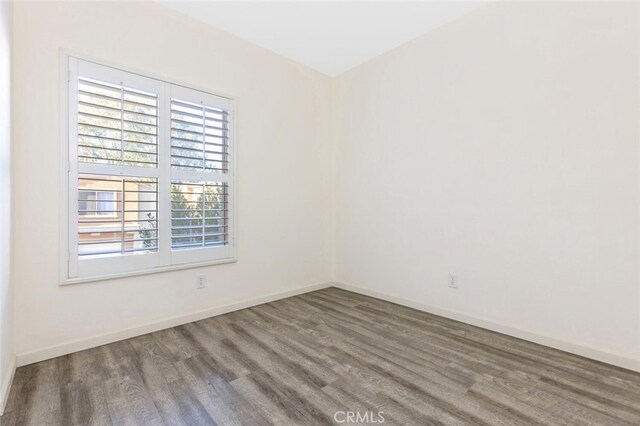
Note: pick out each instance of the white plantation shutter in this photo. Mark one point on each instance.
(116, 124)
(201, 174)
(123, 218)
(150, 176)
(199, 214)
(199, 137)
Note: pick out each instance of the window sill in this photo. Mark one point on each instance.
(82, 280)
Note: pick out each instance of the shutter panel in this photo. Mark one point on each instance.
(199, 214)
(199, 137)
(116, 124)
(199, 148)
(117, 215)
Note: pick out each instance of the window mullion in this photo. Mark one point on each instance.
(116, 170)
(199, 175)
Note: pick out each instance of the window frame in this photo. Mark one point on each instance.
(165, 259)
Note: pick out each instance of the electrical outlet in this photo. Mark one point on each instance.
(201, 282)
(453, 280)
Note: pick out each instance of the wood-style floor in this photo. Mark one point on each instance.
(303, 359)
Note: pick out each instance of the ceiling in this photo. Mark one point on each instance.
(329, 36)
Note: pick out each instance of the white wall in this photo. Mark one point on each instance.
(6, 289)
(503, 147)
(283, 114)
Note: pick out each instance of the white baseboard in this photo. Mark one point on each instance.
(613, 358)
(7, 379)
(26, 358)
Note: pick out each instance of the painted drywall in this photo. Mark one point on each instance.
(282, 181)
(6, 290)
(502, 147)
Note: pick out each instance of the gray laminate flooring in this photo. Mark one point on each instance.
(317, 358)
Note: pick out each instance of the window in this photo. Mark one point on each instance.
(150, 176)
(96, 203)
